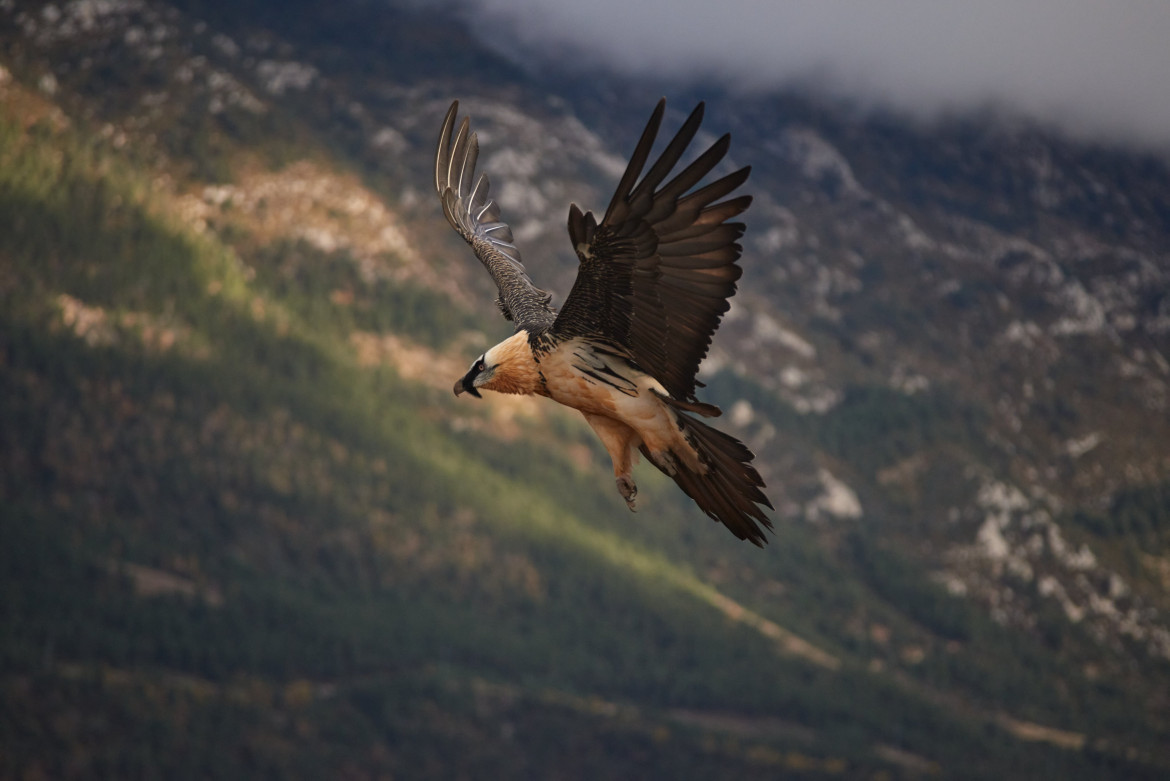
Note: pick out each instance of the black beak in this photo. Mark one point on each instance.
(465, 385)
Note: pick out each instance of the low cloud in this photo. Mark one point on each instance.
(1091, 67)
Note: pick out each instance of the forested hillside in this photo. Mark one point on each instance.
(247, 532)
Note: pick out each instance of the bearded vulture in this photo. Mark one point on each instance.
(653, 282)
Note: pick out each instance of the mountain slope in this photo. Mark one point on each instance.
(277, 546)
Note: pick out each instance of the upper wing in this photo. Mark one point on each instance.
(477, 219)
(656, 274)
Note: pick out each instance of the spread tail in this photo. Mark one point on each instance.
(728, 487)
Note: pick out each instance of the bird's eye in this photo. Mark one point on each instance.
(480, 366)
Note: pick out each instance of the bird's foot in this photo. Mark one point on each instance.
(626, 487)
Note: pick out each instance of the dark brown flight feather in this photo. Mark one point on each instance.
(656, 273)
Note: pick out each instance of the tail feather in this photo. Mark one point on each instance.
(698, 407)
(728, 487)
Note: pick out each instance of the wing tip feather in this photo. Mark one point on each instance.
(475, 216)
(677, 309)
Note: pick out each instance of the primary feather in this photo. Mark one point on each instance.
(476, 217)
(657, 271)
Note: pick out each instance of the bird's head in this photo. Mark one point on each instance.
(480, 373)
(509, 367)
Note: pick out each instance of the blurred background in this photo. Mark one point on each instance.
(246, 531)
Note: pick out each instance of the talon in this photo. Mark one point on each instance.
(628, 490)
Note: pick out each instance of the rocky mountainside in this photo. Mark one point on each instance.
(232, 316)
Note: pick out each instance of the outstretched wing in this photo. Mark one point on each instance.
(656, 273)
(476, 217)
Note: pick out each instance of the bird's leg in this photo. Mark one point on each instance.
(628, 490)
(620, 442)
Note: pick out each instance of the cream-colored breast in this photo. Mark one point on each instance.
(601, 383)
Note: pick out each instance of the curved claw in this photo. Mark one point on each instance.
(628, 490)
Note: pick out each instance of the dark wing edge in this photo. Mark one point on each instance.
(656, 274)
(476, 217)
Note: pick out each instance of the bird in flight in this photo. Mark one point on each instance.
(653, 282)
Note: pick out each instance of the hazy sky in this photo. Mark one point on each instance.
(1097, 67)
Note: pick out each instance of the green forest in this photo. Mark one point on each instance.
(231, 548)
